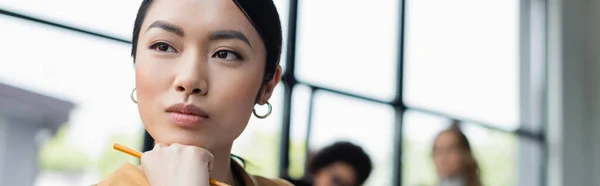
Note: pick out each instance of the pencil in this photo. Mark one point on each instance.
(138, 155)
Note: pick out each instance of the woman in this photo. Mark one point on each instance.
(453, 159)
(201, 66)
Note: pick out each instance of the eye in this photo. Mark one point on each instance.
(227, 55)
(163, 47)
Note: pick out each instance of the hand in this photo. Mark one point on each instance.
(177, 165)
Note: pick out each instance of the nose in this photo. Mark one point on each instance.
(190, 90)
(191, 78)
(191, 84)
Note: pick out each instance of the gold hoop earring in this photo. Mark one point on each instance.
(269, 107)
(131, 96)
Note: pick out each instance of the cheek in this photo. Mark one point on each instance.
(152, 81)
(233, 94)
(322, 179)
(437, 160)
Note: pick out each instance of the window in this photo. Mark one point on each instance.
(418, 135)
(368, 125)
(461, 58)
(496, 152)
(331, 36)
(283, 10)
(342, 47)
(69, 66)
(299, 126)
(113, 17)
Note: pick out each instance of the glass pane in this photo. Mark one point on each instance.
(531, 165)
(113, 17)
(495, 152)
(351, 47)
(417, 140)
(300, 104)
(283, 10)
(338, 118)
(259, 143)
(461, 58)
(96, 75)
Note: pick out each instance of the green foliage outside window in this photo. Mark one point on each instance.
(58, 154)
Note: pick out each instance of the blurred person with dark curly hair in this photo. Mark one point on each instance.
(340, 164)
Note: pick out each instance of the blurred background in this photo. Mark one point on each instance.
(520, 76)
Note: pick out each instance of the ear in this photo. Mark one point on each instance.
(269, 87)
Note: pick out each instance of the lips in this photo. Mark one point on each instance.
(186, 115)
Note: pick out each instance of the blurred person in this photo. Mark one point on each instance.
(201, 66)
(454, 160)
(340, 164)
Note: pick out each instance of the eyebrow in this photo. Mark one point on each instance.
(167, 27)
(229, 34)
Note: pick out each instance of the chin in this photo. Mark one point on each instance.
(186, 138)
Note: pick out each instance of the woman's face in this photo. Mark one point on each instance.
(448, 155)
(199, 69)
(336, 174)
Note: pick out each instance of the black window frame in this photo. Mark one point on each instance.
(289, 82)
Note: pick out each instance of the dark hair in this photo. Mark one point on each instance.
(345, 152)
(262, 14)
(471, 167)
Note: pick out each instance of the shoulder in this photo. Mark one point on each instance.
(262, 181)
(126, 175)
(253, 180)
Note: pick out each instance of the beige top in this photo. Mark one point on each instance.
(130, 175)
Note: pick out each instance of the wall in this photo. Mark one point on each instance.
(3, 145)
(595, 31)
(573, 107)
(20, 164)
(22, 115)
(531, 88)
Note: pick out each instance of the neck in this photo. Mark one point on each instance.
(222, 166)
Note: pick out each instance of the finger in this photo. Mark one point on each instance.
(210, 158)
(206, 155)
(146, 156)
(177, 146)
(210, 167)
